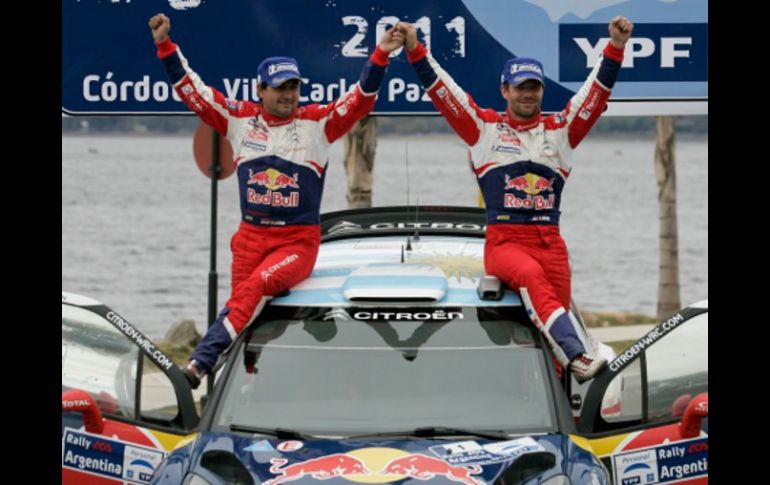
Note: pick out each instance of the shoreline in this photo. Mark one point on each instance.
(620, 136)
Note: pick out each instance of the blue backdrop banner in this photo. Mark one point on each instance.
(109, 63)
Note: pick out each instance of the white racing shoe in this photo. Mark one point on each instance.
(584, 367)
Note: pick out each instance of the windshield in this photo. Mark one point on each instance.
(340, 372)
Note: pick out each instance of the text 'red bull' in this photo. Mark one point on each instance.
(532, 185)
(272, 180)
(537, 202)
(275, 199)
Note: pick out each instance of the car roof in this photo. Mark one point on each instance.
(398, 256)
(78, 300)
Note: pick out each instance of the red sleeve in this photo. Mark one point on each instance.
(354, 104)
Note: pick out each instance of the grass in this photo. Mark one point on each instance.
(609, 319)
(177, 353)
(612, 319)
(621, 345)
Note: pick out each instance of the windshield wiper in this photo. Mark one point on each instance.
(437, 431)
(280, 433)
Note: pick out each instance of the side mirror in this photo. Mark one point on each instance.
(81, 401)
(696, 410)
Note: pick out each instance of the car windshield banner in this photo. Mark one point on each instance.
(109, 63)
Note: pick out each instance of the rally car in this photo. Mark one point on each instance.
(397, 360)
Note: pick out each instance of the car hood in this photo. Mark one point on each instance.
(458, 460)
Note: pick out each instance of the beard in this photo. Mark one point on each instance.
(526, 112)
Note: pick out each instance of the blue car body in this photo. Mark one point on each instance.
(388, 365)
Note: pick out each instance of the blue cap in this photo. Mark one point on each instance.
(277, 70)
(520, 69)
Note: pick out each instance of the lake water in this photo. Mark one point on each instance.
(135, 218)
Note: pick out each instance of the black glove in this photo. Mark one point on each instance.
(192, 374)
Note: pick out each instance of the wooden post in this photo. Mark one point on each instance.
(665, 170)
(360, 149)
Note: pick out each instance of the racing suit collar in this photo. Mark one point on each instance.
(272, 120)
(522, 124)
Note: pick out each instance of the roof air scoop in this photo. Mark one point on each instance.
(390, 283)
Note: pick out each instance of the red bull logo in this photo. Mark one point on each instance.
(519, 183)
(424, 467)
(530, 183)
(373, 465)
(336, 465)
(533, 185)
(272, 180)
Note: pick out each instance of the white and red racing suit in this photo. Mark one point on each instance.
(521, 168)
(281, 165)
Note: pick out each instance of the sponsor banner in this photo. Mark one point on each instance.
(97, 455)
(666, 60)
(671, 462)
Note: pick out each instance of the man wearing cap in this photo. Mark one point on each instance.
(281, 154)
(520, 161)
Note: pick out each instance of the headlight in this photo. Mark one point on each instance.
(558, 480)
(193, 479)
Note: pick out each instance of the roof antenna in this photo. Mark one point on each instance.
(408, 238)
(416, 221)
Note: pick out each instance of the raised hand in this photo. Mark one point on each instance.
(392, 39)
(410, 32)
(620, 31)
(160, 25)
